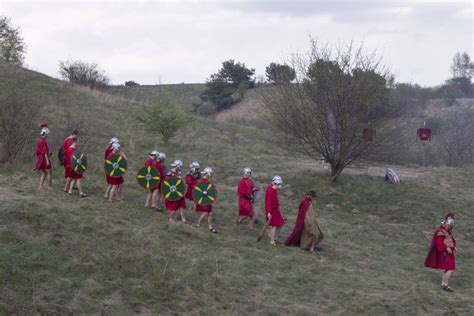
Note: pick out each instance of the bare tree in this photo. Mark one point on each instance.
(18, 123)
(338, 108)
(83, 73)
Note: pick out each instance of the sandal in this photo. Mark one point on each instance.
(447, 288)
(82, 195)
(273, 243)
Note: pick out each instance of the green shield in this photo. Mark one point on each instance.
(115, 166)
(148, 177)
(204, 193)
(78, 162)
(61, 157)
(173, 189)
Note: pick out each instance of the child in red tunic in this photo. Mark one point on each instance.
(152, 161)
(191, 179)
(206, 210)
(67, 142)
(272, 208)
(160, 165)
(43, 161)
(443, 247)
(116, 183)
(108, 151)
(179, 205)
(245, 191)
(72, 177)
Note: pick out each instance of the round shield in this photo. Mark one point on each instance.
(78, 162)
(61, 156)
(148, 177)
(204, 193)
(115, 166)
(173, 189)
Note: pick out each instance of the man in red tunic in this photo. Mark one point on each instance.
(272, 208)
(67, 142)
(191, 179)
(116, 183)
(72, 177)
(306, 233)
(43, 161)
(152, 161)
(245, 191)
(205, 209)
(160, 165)
(179, 205)
(442, 250)
(108, 151)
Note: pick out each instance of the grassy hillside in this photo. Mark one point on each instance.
(184, 94)
(61, 254)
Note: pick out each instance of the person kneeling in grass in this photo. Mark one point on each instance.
(205, 209)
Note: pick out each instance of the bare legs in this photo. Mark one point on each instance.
(251, 221)
(107, 192)
(113, 191)
(445, 279)
(181, 213)
(151, 199)
(272, 235)
(77, 183)
(46, 174)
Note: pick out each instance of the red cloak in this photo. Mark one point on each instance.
(272, 206)
(42, 151)
(112, 180)
(438, 257)
(203, 208)
(245, 193)
(161, 171)
(191, 181)
(173, 206)
(294, 238)
(68, 171)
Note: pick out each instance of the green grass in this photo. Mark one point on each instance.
(61, 254)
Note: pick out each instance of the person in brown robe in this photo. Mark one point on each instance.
(306, 233)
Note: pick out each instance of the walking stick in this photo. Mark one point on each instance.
(263, 230)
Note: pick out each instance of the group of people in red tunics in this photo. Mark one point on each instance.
(306, 232)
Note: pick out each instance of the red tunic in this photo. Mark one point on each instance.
(173, 206)
(272, 206)
(191, 181)
(68, 171)
(245, 193)
(294, 238)
(42, 151)
(203, 208)
(112, 180)
(66, 144)
(438, 257)
(161, 170)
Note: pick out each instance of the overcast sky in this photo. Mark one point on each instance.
(186, 41)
